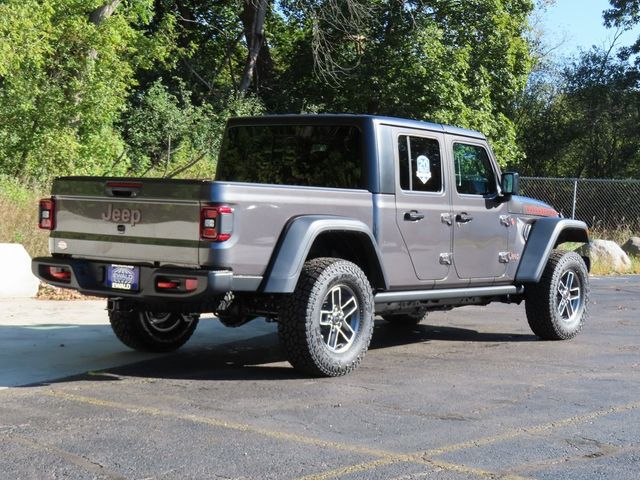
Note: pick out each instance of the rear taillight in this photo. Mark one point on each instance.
(62, 274)
(179, 285)
(216, 223)
(47, 214)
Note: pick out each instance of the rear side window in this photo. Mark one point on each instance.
(420, 164)
(474, 174)
(303, 155)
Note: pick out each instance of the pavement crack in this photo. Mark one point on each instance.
(72, 458)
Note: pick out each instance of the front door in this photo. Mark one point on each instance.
(422, 202)
(480, 233)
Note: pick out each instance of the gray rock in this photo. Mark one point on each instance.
(608, 253)
(632, 246)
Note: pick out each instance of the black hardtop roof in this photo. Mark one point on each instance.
(326, 118)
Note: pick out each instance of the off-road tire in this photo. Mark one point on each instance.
(137, 330)
(405, 319)
(543, 300)
(299, 322)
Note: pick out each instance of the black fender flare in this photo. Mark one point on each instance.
(546, 234)
(295, 245)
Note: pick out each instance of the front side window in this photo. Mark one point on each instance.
(420, 164)
(474, 175)
(303, 155)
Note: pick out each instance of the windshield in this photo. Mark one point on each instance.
(305, 155)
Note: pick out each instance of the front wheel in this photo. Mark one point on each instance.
(148, 331)
(326, 326)
(557, 305)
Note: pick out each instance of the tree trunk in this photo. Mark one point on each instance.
(100, 14)
(252, 16)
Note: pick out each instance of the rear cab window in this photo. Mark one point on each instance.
(420, 164)
(300, 155)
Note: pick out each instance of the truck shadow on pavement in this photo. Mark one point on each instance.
(261, 358)
(387, 335)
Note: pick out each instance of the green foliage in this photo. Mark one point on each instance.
(168, 135)
(581, 119)
(17, 192)
(161, 125)
(18, 203)
(65, 82)
(625, 15)
(461, 63)
(147, 88)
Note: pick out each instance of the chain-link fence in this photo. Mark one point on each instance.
(604, 205)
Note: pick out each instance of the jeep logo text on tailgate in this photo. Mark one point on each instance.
(122, 215)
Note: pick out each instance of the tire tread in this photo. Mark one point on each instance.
(540, 299)
(128, 329)
(296, 316)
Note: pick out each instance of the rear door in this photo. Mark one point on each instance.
(422, 201)
(480, 235)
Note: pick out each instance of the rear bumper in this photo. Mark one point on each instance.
(88, 277)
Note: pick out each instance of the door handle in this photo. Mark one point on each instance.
(413, 216)
(463, 218)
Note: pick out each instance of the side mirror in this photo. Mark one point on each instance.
(510, 183)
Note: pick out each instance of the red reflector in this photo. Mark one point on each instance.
(167, 285)
(209, 233)
(225, 210)
(60, 273)
(190, 284)
(46, 214)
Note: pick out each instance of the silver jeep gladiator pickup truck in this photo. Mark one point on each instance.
(317, 222)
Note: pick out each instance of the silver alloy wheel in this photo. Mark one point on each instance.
(340, 318)
(163, 322)
(569, 297)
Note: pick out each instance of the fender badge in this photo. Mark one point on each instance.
(62, 245)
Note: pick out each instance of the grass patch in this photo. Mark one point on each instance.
(599, 268)
(19, 207)
(619, 235)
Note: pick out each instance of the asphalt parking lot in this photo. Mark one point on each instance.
(470, 394)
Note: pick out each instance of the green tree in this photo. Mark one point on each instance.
(583, 120)
(142, 86)
(462, 63)
(167, 135)
(66, 70)
(625, 14)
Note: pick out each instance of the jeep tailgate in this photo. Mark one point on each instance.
(137, 220)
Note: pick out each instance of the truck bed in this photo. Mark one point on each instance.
(157, 221)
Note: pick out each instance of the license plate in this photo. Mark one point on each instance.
(123, 277)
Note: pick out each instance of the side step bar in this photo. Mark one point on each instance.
(417, 295)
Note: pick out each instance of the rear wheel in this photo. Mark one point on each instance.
(325, 327)
(148, 331)
(557, 305)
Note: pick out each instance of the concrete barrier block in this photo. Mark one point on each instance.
(16, 279)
